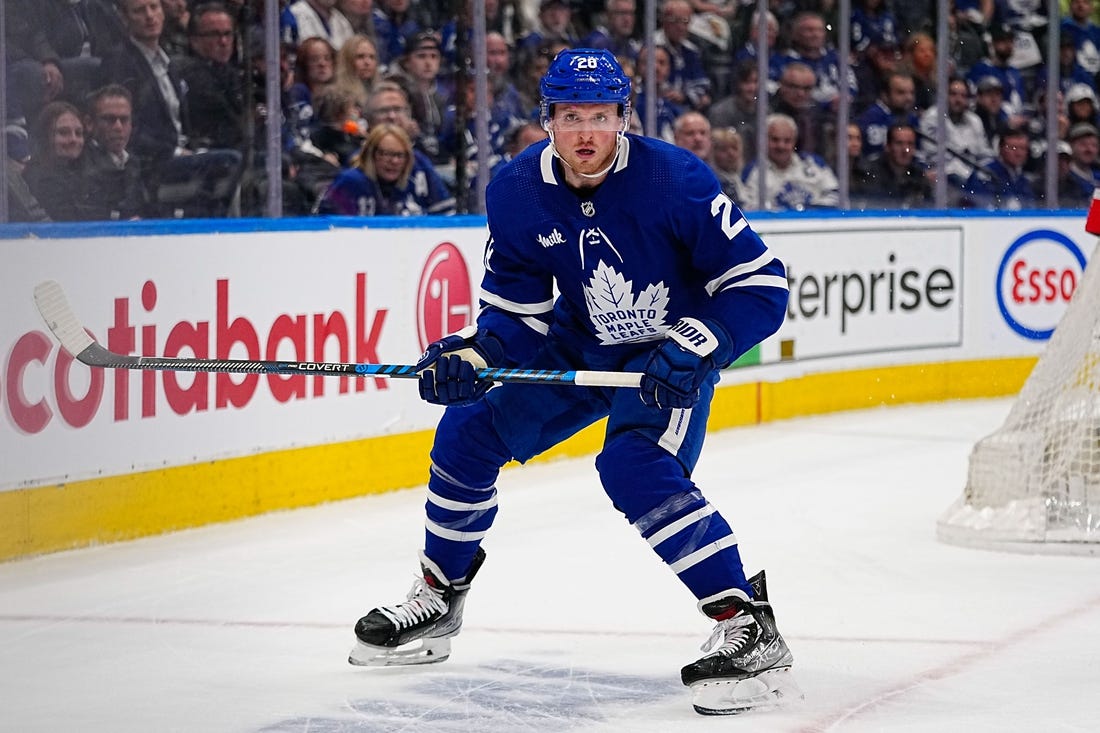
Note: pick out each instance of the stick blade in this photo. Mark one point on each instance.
(54, 308)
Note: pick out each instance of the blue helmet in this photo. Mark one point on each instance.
(585, 76)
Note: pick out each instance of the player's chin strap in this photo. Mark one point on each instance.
(601, 174)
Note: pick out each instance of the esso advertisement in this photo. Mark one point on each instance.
(445, 296)
(1037, 276)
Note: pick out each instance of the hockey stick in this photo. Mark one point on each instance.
(55, 311)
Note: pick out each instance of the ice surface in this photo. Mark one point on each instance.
(573, 624)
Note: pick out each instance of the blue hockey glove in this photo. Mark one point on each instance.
(446, 369)
(690, 354)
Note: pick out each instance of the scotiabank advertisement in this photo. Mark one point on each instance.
(342, 295)
(865, 292)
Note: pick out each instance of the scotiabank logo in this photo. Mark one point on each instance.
(1037, 276)
(77, 393)
(444, 298)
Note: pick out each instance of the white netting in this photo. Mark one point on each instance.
(1034, 484)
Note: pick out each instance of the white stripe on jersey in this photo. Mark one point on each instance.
(450, 534)
(679, 525)
(522, 309)
(737, 270)
(771, 281)
(536, 325)
(677, 429)
(700, 555)
(461, 506)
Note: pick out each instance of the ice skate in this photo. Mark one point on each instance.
(419, 629)
(748, 665)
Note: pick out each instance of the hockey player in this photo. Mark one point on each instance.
(658, 272)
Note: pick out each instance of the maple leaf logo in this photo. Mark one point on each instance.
(617, 315)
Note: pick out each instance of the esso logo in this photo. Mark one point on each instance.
(444, 298)
(1035, 281)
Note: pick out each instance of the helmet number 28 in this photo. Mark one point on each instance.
(723, 209)
(586, 62)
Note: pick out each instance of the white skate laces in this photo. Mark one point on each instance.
(729, 635)
(424, 601)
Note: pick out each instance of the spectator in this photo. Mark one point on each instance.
(617, 32)
(315, 69)
(989, 106)
(896, 104)
(530, 72)
(899, 181)
(794, 98)
(872, 25)
(184, 182)
(666, 111)
(728, 160)
(1070, 73)
(1074, 191)
(555, 23)
(385, 180)
(966, 141)
(691, 131)
(738, 110)
(393, 24)
(215, 82)
(1083, 35)
(793, 181)
(518, 139)
(507, 102)
(360, 17)
(747, 50)
(1084, 143)
(357, 68)
(1081, 105)
(111, 175)
(22, 205)
(420, 69)
(177, 17)
(688, 83)
(1002, 185)
(809, 44)
(341, 129)
(997, 65)
(860, 183)
(872, 70)
(919, 61)
(304, 19)
(54, 171)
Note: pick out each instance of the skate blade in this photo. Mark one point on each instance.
(429, 651)
(770, 689)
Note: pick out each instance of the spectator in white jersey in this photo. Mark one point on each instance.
(793, 181)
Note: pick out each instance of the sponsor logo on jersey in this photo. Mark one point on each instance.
(554, 237)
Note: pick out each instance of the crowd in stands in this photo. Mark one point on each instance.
(128, 109)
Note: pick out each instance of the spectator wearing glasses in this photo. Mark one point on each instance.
(1002, 185)
(385, 180)
(794, 98)
(215, 82)
(112, 176)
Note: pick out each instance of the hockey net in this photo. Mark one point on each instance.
(1033, 485)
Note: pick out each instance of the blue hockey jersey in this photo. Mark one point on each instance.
(609, 271)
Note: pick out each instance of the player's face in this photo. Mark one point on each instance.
(586, 135)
